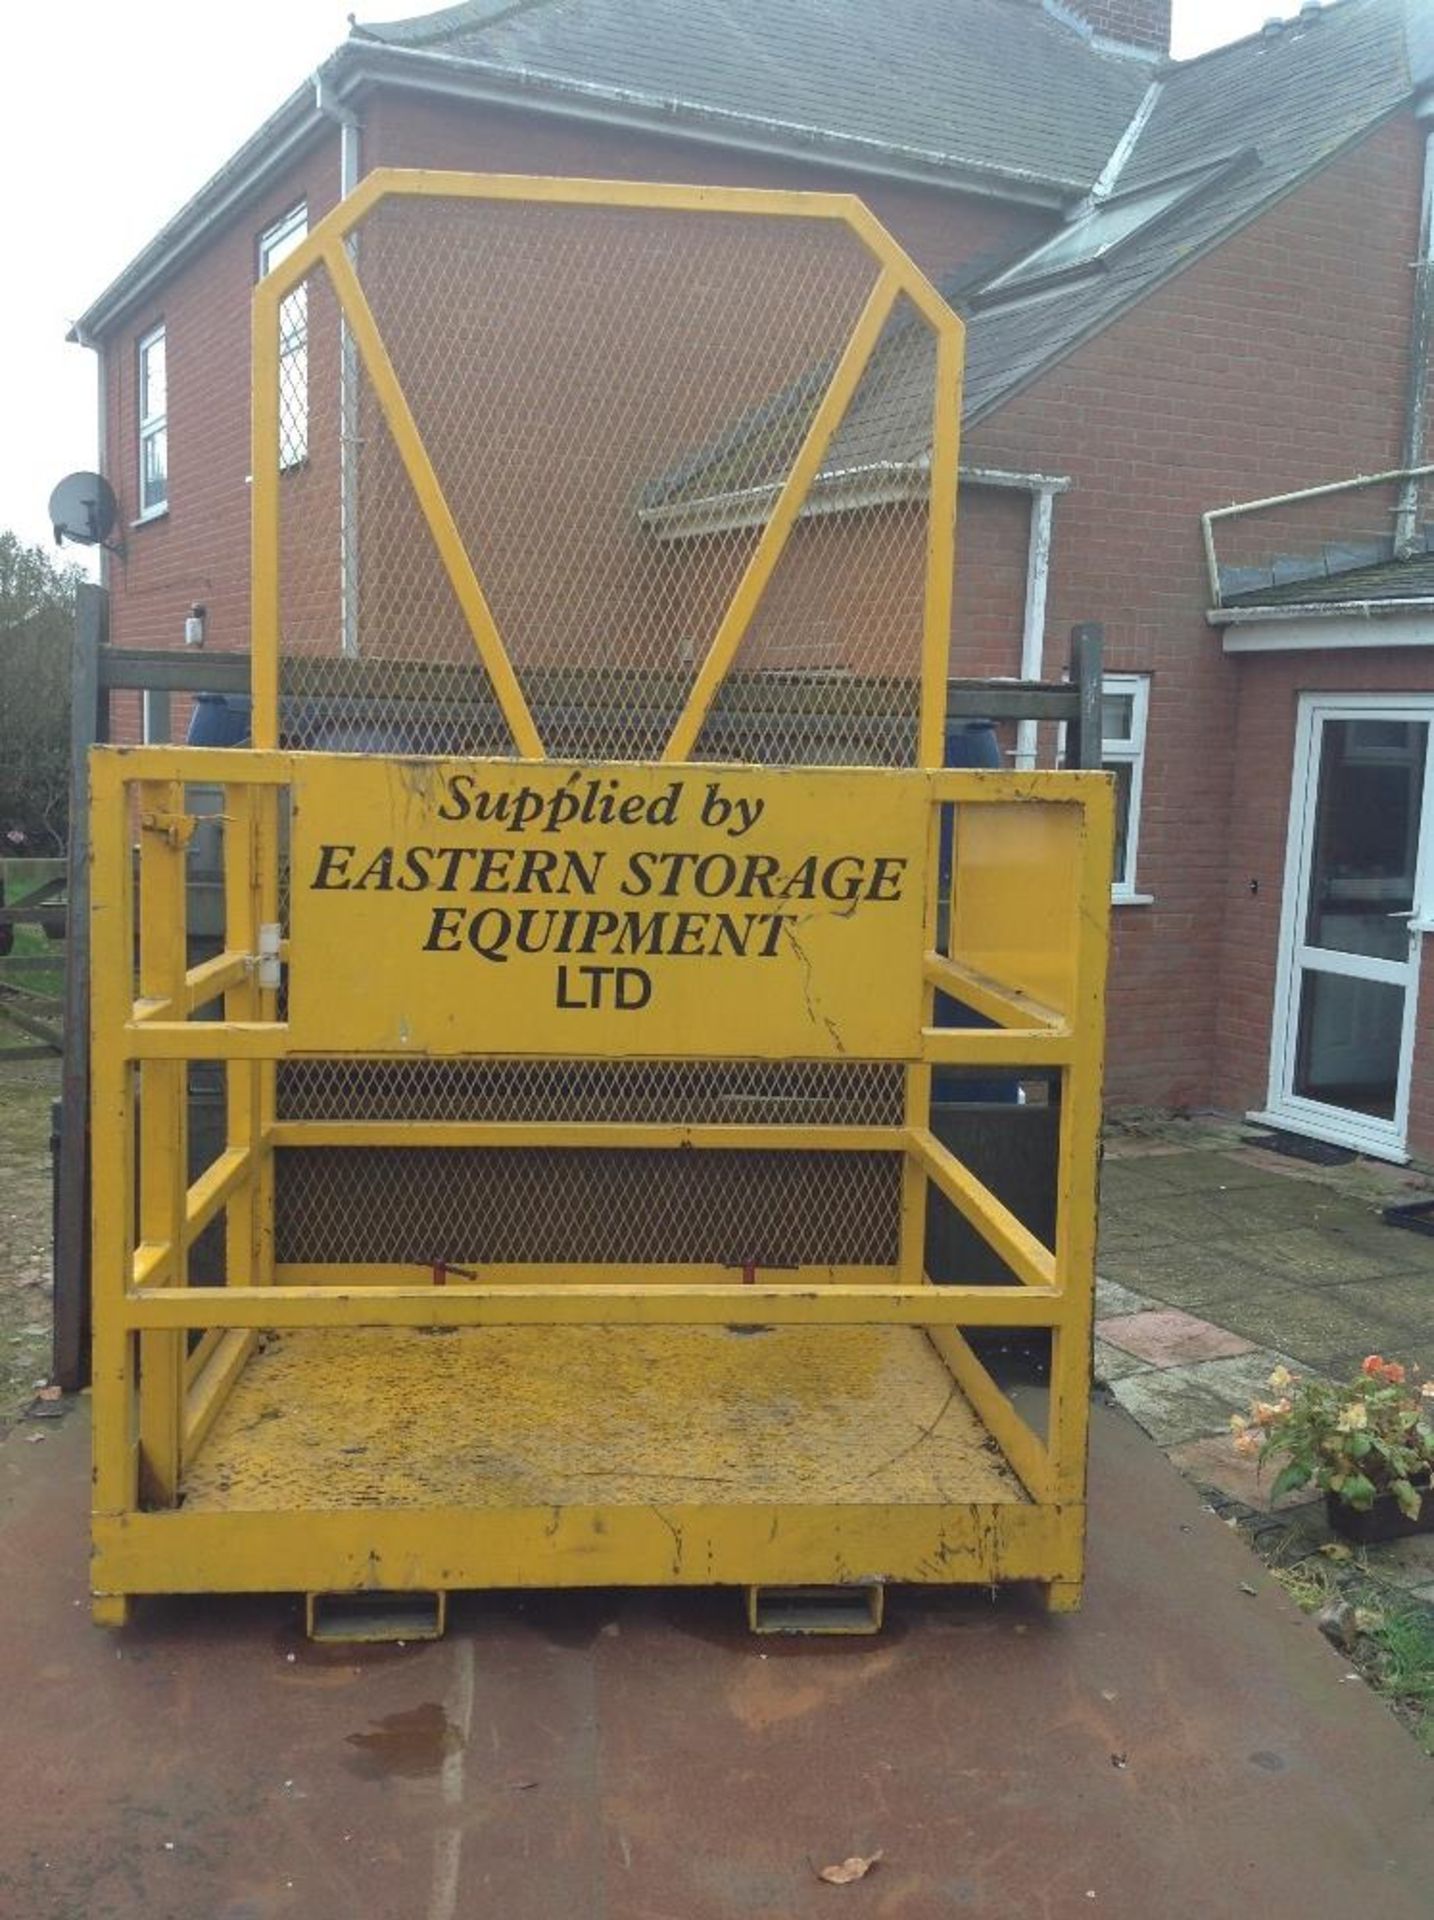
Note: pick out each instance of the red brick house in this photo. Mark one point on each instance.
(1185, 284)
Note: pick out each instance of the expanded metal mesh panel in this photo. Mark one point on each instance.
(814, 1093)
(476, 1205)
(611, 400)
(482, 1204)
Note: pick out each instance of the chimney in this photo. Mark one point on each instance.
(1131, 23)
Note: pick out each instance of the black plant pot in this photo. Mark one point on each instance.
(1385, 1520)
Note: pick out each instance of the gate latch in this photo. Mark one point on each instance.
(176, 828)
(270, 940)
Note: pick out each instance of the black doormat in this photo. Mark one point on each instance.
(1317, 1153)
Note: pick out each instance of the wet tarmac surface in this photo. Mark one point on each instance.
(1183, 1748)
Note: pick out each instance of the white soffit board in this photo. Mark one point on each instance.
(1323, 635)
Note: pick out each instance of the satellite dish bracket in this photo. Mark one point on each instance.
(84, 510)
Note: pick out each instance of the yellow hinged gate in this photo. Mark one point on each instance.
(566, 965)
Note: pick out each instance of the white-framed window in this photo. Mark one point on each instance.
(153, 424)
(1124, 710)
(276, 243)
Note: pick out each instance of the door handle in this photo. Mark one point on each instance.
(1413, 914)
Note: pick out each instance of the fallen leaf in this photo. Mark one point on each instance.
(855, 1868)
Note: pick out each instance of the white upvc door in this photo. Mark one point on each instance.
(1356, 906)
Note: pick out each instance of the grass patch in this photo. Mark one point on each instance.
(1393, 1644)
(1308, 1583)
(31, 943)
(1405, 1666)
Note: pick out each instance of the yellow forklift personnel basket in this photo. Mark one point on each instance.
(594, 909)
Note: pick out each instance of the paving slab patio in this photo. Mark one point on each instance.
(1170, 1337)
(1213, 1462)
(1111, 1298)
(1318, 1326)
(1112, 1365)
(1174, 1404)
(1220, 1260)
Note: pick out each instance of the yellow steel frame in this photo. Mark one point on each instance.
(155, 1403)
(327, 247)
(1025, 946)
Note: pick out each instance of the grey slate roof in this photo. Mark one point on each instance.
(956, 90)
(1273, 107)
(1296, 97)
(987, 85)
(1411, 579)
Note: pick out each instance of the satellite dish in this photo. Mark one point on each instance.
(83, 508)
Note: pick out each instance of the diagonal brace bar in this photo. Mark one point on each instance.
(790, 501)
(1023, 1253)
(432, 503)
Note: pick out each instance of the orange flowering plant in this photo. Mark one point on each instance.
(1355, 1439)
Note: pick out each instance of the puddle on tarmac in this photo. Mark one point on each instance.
(407, 1745)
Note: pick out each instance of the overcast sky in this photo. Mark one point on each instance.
(111, 115)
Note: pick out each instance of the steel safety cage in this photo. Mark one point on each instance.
(1011, 929)
(1030, 892)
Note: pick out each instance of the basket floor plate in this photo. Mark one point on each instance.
(594, 1416)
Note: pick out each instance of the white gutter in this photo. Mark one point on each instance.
(1315, 610)
(504, 85)
(875, 483)
(1407, 624)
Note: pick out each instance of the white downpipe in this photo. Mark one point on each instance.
(1421, 323)
(350, 169)
(1033, 631)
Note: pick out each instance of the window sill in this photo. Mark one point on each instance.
(148, 519)
(1119, 899)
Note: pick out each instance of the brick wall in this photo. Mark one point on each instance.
(1140, 23)
(199, 549)
(1274, 363)
(939, 230)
